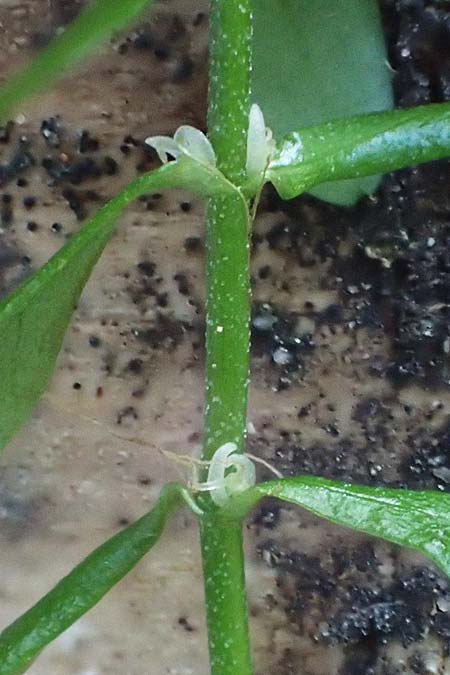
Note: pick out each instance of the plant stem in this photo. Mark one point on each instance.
(226, 602)
(227, 266)
(229, 84)
(227, 324)
(227, 329)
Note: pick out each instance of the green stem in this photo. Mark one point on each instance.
(227, 323)
(227, 329)
(227, 266)
(225, 597)
(230, 51)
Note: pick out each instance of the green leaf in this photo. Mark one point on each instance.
(417, 520)
(318, 60)
(84, 586)
(360, 146)
(93, 25)
(34, 319)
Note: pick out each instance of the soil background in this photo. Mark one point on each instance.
(350, 366)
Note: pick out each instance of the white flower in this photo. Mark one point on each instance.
(260, 144)
(222, 484)
(186, 141)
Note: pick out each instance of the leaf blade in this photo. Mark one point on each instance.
(22, 641)
(360, 146)
(34, 318)
(417, 520)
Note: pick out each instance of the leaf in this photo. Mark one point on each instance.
(360, 146)
(417, 520)
(34, 319)
(96, 23)
(84, 586)
(318, 60)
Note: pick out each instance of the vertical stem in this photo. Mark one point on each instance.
(230, 51)
(227, 266)
(227, 324)
(226, 602)
(227, 329)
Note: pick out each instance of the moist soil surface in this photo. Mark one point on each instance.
(350, 366)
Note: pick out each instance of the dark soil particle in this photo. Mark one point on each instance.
(75, 201)
(184, 623)
(182, 283)
(166, 333)
(52, 131)
(127, 416)
(20, 159)
(147, 268)
(29, 202)
(193, 245)
(135, 366)
(86, 143)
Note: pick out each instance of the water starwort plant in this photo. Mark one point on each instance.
(228, 168)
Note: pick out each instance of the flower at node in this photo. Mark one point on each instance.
(187, 141)
(260, 145)
(229, 473)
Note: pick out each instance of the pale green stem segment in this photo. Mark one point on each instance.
(227, 323)
(94, 25)
(227, 266)
(225, 597)
(84, 586)
(227, 328)
(228, 287)
(230, 51)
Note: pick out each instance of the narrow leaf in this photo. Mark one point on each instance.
(360, 146)
(319, 60)
(34, 319)
(96, 23)
(417, 520)
(84, 586)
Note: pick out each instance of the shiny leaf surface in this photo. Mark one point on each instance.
(417, 520)
(360, 146)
